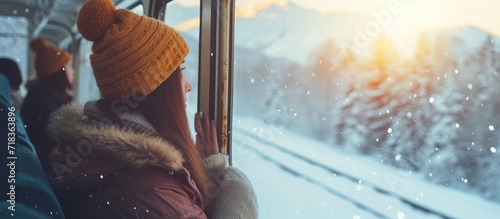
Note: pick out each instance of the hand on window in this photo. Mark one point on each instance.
(206, 134)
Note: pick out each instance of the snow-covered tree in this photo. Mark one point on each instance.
(322, 89)
(375, 98)
(281, 101)
(471, 161)
(414, 90)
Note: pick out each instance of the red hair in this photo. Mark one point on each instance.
(169, 118)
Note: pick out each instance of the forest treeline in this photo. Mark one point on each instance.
(434, 113)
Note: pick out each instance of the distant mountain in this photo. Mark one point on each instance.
(290, 31)
(294, 32)
(461, 42)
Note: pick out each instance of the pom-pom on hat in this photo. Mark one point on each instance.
(132, 54)
(48, 60)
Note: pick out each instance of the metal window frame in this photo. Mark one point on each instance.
(216, 67)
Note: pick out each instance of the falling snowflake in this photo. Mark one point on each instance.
(358, 188)
(398, 157)
(401, 215)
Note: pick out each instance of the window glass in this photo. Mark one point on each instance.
(87, 86)
(368, 109)
(184, 18)
(14, 43)
(139, 9)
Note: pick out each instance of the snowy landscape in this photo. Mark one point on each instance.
(412, 131)
(402, 127)
(288, 186)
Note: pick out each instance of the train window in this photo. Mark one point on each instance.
(368, 109)
(139, 9)
(87, 86)
(14, 43)
(185, 19)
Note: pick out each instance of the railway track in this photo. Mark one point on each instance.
(279, 150)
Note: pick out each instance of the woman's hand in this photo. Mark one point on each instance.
(206, 134)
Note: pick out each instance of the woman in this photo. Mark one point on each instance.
(130, 154)
(50, 90)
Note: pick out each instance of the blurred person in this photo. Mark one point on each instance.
(10, 70)
(130, 154)
(46, 93)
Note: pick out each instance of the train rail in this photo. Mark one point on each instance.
(303, 174)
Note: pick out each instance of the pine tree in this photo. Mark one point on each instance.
(280, 101)
(406, 147)
(472, 148)
(322, 89)
(378, 96)
(365, 101)
(384, 56)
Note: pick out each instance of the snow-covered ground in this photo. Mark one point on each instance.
(288, 186)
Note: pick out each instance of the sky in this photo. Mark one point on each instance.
(413, 15)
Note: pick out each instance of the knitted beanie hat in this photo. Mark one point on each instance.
(49, 60)
(132, 54)
(10, 69)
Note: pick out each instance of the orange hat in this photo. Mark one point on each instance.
(131, 53)
(49, 60)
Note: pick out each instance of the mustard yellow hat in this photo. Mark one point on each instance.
(48, 60)
(131, 53)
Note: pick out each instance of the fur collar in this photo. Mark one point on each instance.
(69, 126)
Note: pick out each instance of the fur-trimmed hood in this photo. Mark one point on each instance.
(90, 148)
